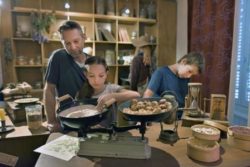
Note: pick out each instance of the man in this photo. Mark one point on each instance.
(64, 73)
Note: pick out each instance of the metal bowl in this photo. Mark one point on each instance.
(82, 122)
(149, 117)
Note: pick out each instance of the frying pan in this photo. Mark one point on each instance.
(78, 115)
(149, 117)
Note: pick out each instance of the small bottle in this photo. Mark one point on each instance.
(2, 117)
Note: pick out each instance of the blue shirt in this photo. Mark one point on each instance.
(163, 79)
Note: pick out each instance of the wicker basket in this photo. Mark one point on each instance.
(216, 125)
(238, 143)
(203, 150)
(239, 132)
(205, 132)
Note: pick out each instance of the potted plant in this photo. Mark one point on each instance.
(41, 23)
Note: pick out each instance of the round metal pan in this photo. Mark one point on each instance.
(78, 116)
(149, 117)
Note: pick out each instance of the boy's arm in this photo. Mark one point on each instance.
(148, 93)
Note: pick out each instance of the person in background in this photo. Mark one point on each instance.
(142, 65)
(64, 73)
(97, 73)
(175, 78)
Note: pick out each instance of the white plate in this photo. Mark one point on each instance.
(26, 100)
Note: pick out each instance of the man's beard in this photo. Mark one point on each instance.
(75, 55)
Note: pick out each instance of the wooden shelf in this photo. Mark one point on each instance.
(104, 42)
(24, 10)
(85, 16)
(125, 43)
(22, 39)
(28, 66)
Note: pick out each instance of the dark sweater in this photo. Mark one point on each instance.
(139, 73)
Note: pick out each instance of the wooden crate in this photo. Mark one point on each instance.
(218, 107)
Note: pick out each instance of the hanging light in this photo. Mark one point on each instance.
(67, 6)
(127, 11)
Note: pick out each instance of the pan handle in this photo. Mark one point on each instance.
(109, 102)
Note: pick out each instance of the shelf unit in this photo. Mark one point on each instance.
(36, 55)
(84, 12)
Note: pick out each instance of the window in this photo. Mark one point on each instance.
(240, 69)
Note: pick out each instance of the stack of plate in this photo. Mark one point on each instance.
(203, 146)
(239, 137)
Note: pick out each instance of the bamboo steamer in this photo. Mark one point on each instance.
(239, 137)
(205, 132)
(238, 143)
(220, 126)
(239, 132)
(216, 125)
(203, 150)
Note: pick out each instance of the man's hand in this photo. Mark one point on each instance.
(55, 127)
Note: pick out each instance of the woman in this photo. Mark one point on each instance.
(96, 73)
(142, 65)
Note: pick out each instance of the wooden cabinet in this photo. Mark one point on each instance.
(31, 57)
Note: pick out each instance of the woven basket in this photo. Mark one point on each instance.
(238, 143)
(216, 125)
(239, 132)
(205, 132)
(203, 150)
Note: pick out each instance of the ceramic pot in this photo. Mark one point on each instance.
(120, 60)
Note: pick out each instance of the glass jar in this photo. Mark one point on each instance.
(152, 10)
(100, 6)
(21, 60)
(120, 60)
(111, 7)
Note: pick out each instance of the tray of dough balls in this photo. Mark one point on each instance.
(239, 137)
(203, 146)
(148, 109)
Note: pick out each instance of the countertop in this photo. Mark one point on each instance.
(162, 154)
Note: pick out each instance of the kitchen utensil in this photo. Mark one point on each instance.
(147, 117)
(83, 122)
(158, 117)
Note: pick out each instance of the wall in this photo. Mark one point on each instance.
(182, 22)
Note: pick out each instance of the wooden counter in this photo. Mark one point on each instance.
(162, 154)
(22, 141)
(188, 121)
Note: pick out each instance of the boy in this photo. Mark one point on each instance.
(175, 78)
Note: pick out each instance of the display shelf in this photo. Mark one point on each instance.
(84, 12)
(25, 4)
